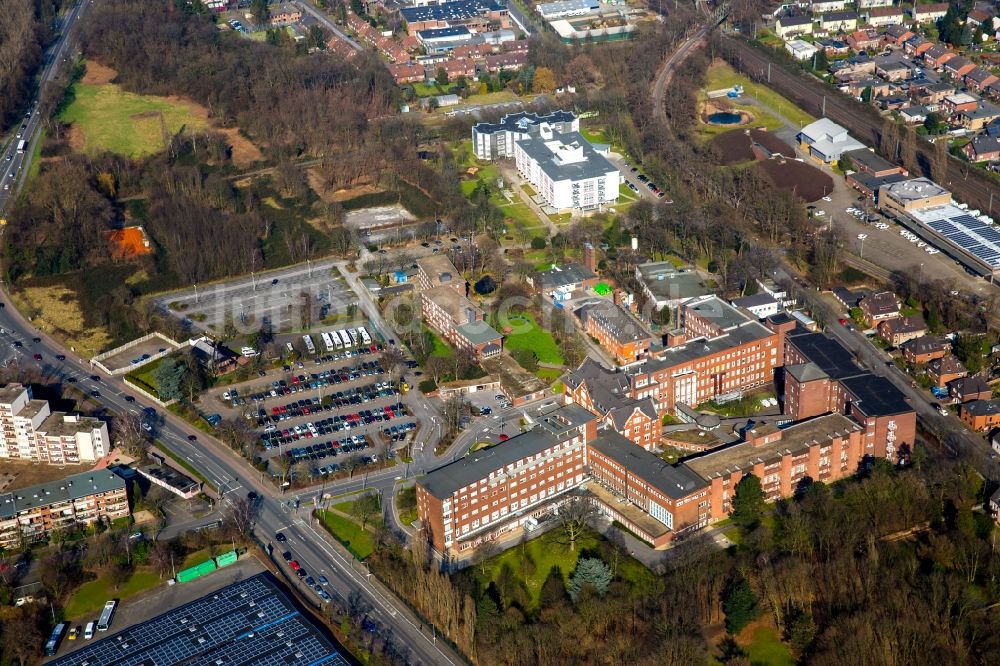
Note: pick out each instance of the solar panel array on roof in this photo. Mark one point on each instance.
(249, 622)
(963, 230)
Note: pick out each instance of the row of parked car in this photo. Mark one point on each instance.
(328, 449)
(304, 382)
(644, 179)
(314, 585)
(273, 437)
(397, 433)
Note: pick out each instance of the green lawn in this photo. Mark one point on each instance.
(36, 161)
(550, 374)
(404, 496)
(144, 376)
(528, 335)
(439, 348)
(721, 75)
(90, 598)
(766, 648)
(551, 549)
(345, 507)
(126, 123)
(356, 540)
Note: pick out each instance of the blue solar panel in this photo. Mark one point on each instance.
(941, 226)
(961, 239)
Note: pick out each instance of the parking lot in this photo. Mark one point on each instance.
(136, 356)
(282, 297)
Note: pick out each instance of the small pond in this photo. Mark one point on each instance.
(725, 118)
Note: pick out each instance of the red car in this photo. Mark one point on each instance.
(843, 322)
(504, 438)
(294, 564)
(37, 357)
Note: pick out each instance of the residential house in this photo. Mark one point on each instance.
(457, 67)
(839, 21)
(617, 330)
(862, 40)
(980, 17)
(931, 93)
(857, 87)
(995, 506)
(936, 56)
(879, 307)
(888, 16)
(915, 113)
(892, 102)
(917, 45)
(407, 72)
(874, 4)
(982, 148)
(286, 15)
(958, 67)
(823, 6)
(902, 329)
(894, 68)
(928, 13)
(896, 35)
(980, 414)
(792, 26)
(511, 61)
(474, 51)
(967, 389)
(853, 67)
(978, 118)
(836, 48)
(979, 78)
(924, 350)
(946, 369)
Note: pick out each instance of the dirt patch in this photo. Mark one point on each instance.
(74, 135)
(23, 474)
(242, 150)
(96, 73)
(739, 146)
(315, 180)
(145, 114)
(806, 182)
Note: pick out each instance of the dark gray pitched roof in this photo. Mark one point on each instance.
(676, 482)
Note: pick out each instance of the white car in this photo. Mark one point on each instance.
(820, 213)
(827, 199)
(932, 250)
(862, 236)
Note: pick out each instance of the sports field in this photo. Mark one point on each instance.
(105, 117)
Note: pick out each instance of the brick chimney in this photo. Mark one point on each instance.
(590, 257)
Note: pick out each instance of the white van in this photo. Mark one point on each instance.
(88, 633)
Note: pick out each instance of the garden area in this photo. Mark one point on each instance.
(528, 565)
(90, 597)
(353, 523)
(528, 335)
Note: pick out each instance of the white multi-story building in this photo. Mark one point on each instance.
(565, 169)
(496, 140)
(30, 431)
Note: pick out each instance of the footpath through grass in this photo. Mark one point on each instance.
(91, 596)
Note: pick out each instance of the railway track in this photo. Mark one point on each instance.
(965, 182)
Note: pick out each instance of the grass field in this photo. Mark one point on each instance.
(144, 376)
(36, 161)
(766, 648)
(721, 75)
(56, 309)
(90, 598)
(549, 550)
(356, 540)
(108, 118)
(439, 347)
(529, 335)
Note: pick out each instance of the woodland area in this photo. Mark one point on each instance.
(25, 29)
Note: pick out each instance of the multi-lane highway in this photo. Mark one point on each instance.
(14, 165)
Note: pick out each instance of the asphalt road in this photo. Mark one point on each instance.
(328, 24)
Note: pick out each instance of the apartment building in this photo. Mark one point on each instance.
(565, 169)
(608, 394)
(493, 141)
(617, 330)
(30, 431)
(32, 513)
(459, 321)
(495, 490)
(650, 497)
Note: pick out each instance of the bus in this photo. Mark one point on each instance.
(364, 335)
(336, 340)
(344, 338)
(309, 343)
(104, 622)
(21, 145)
(354, 336)
(53, 643)
(327, 342)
